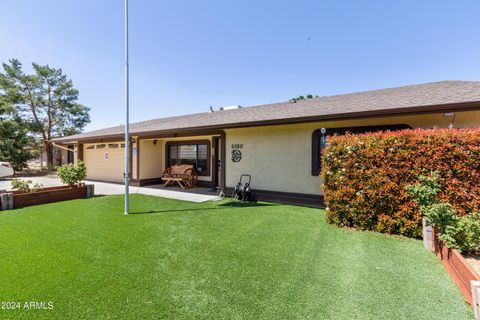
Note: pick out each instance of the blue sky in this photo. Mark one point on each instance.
(189, 55)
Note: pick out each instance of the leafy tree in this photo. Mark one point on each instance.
(14, 138)
(46, 100)
(299, 98)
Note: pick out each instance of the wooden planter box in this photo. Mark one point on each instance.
(459, 269)
(17, 199)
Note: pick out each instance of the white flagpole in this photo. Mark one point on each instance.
(127, 144)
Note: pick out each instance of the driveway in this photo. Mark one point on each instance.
(104, 188)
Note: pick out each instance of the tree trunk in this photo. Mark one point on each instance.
(49, 152)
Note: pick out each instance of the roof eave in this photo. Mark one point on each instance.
(451, 107)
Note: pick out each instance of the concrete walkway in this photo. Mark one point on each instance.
(104, 188)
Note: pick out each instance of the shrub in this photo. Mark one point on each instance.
(24, 186)
(425, 194)
(459, 233)
(72, 174)
(365, 175)
(464, 235)
(441, 216)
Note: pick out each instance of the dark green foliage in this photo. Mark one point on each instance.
(14, 138)
(440, 215)
(14, 144)
(299, 98)
(46, 100)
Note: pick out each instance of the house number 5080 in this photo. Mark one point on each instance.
(237, 146)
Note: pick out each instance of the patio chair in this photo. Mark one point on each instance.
(184, 175)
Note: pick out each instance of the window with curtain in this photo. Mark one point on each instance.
(195, 154)
(320, 140)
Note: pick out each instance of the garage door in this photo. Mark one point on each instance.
(104, 161)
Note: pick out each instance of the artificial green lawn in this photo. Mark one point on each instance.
(216, 260)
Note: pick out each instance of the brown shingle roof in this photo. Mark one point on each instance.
(428, 97)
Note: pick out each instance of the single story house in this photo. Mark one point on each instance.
(278, 144)
(61, 156)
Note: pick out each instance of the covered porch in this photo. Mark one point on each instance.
(152, 154)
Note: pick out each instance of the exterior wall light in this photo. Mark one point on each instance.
(450, 115)
(323, 140)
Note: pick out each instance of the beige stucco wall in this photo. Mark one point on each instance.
(151, 159)
(76, 149)
(279, 157)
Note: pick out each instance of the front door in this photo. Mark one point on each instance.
(70, 154)
(217, 162)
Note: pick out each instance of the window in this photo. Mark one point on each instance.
(320, 140)
(193, 153)
(101, 146)
(90, 147)
(113, 145)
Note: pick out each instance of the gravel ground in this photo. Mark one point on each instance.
(474, 261)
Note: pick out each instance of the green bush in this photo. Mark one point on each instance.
(441, 216)
(24, 186)
(464, 235)
(72, 174)
(437, 214)
(461, 233)
(425, 193)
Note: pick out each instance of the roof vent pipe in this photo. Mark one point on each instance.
(232, 107)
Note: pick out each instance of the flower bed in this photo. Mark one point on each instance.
(460, 270)
(18, 199)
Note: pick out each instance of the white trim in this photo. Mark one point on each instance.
(475, 285)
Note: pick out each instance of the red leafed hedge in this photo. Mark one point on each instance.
(364, 176)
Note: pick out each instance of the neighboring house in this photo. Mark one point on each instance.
(61, 156)
(278, 144)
